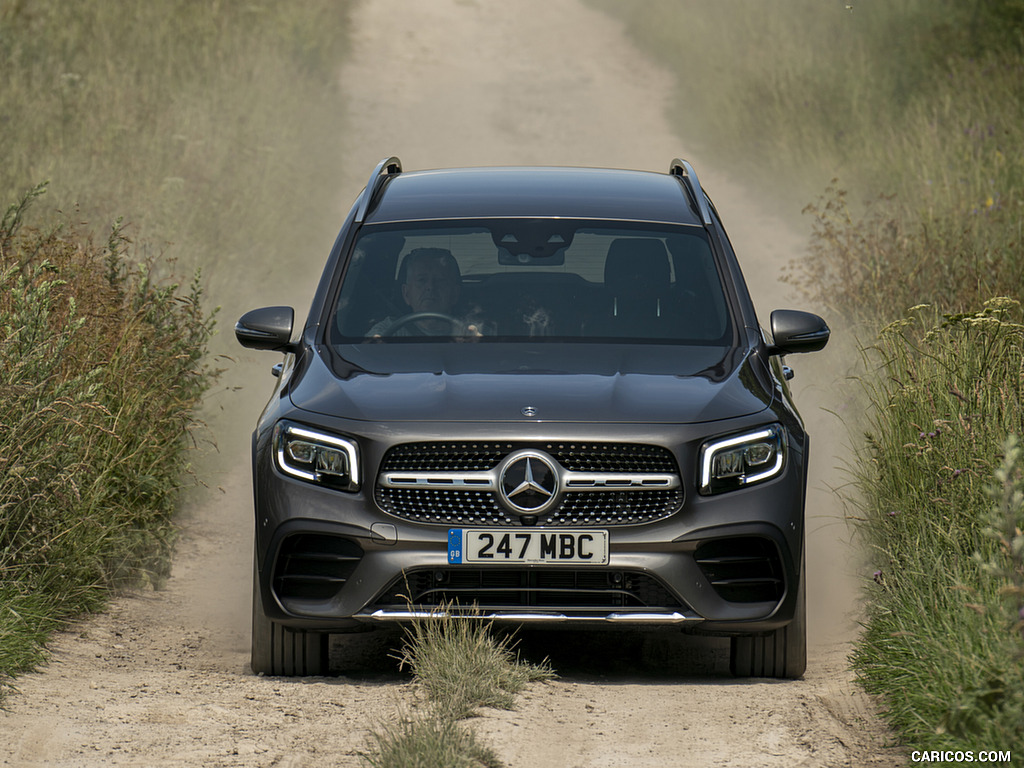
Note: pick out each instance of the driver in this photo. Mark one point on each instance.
(432, 283)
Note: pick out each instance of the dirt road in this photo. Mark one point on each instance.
(162, 679)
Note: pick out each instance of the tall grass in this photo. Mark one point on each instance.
(885, 96)
(943, 640)
(462, 664)
(101, 369)
(868, 267)
(427, 739)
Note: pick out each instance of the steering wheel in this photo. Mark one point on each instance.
(404, 320)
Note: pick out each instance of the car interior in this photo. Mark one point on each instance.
(587, 284)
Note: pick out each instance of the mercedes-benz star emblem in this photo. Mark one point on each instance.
(529, 483)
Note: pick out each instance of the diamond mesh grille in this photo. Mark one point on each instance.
(450, 506)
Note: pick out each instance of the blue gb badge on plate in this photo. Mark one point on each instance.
(455, 546)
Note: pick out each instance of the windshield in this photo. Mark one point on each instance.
(512, 280)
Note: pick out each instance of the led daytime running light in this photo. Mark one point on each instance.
(773, 435)
(316, 445)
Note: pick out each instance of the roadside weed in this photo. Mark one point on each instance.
(427, 738)
(463, 665)
(460, 666)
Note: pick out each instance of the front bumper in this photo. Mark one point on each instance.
(337, 561)
(725, 564)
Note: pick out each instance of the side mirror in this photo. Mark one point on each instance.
(268, 328)
(794, 331)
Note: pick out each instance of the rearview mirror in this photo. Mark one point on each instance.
(268, 328)
(794, 331)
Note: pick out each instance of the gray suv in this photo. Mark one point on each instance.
(539, 396)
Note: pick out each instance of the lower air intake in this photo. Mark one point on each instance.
(743, 569)
(314, 566)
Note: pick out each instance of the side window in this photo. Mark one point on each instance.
(368, 293)
(699, 287)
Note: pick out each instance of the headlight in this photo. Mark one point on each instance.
(742, 460)
(317, 457)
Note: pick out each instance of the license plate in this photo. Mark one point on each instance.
(537, 547)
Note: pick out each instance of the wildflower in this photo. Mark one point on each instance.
(1001, 304)
(891, 513)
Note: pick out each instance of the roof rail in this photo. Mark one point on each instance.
(384, 169)
(685, 171)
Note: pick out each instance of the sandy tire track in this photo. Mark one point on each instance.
(162, 678)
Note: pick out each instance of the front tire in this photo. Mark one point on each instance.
(780, 654)
(278, 650)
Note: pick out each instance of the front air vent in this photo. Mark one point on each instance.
(314, 566)
(743, 569)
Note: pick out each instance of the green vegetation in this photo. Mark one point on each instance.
(204, 126)
(943, 641)
(101, 367)
(460, 665)
(917, 107)
(426, 739)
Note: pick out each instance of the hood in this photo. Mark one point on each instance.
(563, 383)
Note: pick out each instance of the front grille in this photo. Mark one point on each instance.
(466, 506)
(502, 589)
(743, 570)
(314, 567)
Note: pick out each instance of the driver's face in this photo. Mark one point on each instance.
(431, 286)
